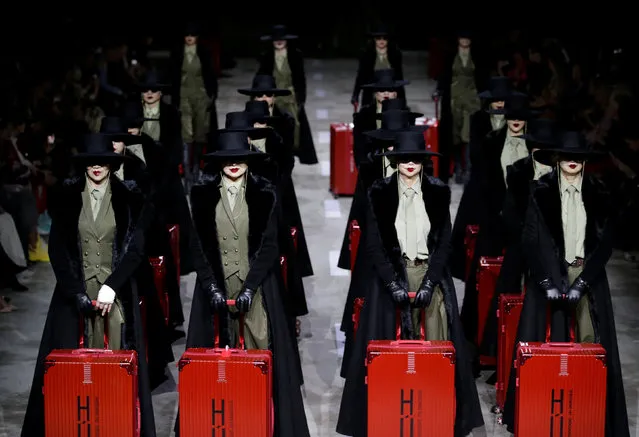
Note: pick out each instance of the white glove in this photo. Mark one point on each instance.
(106, 297)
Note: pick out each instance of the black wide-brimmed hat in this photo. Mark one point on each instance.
(409, 144)
(117, 129)
(397, 104)
(573, 147)
(243, 122)
(192, 29)
(385, 80)
(378, 31)
(232, 145)
(465, 33)
(132, 115)
(278, 32)
(394, 121)
(258, 110)
(264, 84)
(542, 133)
(152, 81)
(97, 149)
(499, 88)
(516, 107)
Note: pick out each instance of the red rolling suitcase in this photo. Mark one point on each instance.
(354, 234)
(91, 392)
(551, 396)
(508, 313)
(343, 170)
(487, 274)
(469, 243)
(226, 391)
(159, 279)
(411, 387)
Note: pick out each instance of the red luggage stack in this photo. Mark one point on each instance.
(159, 279)
(91, 392)
(411, 387)
(551, 395)
(354, 234)
(487, 274)
(431, 136)
(469, 243)
(226, 391)
(510, 306)
(343, 170)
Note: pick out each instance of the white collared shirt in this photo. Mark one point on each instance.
(514, 150)
(575, 225)
(421, 218)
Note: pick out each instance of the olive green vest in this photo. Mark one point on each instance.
(192, 82)
(381, 63)
(232, 234)
(284, 80)
(463, 80)
(97, 237)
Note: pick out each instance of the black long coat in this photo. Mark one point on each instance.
(209, 77)
(543, 239)
(61, 329)
(290, 418)
(363, 121)
(366, 72)
(378, 315)
(520, 175)
(306, 152)
(446, 117)
(490, 239)
(469, 208)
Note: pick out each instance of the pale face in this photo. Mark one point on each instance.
(150, 97)
(380, 96)
(571, 168)
(464, 42)
(235, 170)
(280, 44)
(190, 40)
(260, 125)
(497, 105)
(134, 130)
(381, 43)
(410, 168)
(118, 147)
(516, 126)
(98, 174)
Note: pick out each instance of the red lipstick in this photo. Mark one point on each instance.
(573, 166)
(411, 169)
(96, 172)
(235, 170)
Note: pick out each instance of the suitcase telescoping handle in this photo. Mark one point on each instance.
(549, 323)
(422, 324)
(216, 322)
(83, 329)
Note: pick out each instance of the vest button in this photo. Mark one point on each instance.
(97, 266)
(86, 240)
(98, 254)
(99, 241)
(86, 253)
(236, 237)
(86, 265)
(237, 263)
(225, 252)
(236, 250)
(226, 264)
(223, 238)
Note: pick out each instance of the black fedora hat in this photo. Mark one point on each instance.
(573, 146)
(132, 115)
(409, 144)
(542, 133)
(232, 145)
(264, 84)
(152, 81)
(97, 149)
(499, 88)
(397, 104)
(258, 110)
(378, 31)
(243, 122)
(516, 107)
(394, 121)
(192, 29)
(278, 32)
(117, 129)
(465, 33)
(385, 80)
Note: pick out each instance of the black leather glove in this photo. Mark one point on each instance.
(84, 305)
(577, 290)
(552, 292)
(424, 294)
(399, 294)
(217, 298)
(244, 300)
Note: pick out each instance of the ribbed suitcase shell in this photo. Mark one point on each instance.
(510, 306)
(411, 388)
(105, 381)
(237, 382)
(561, 390)
(487, 274)
(343, 177)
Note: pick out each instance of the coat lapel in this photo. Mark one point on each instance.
(548, 200)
